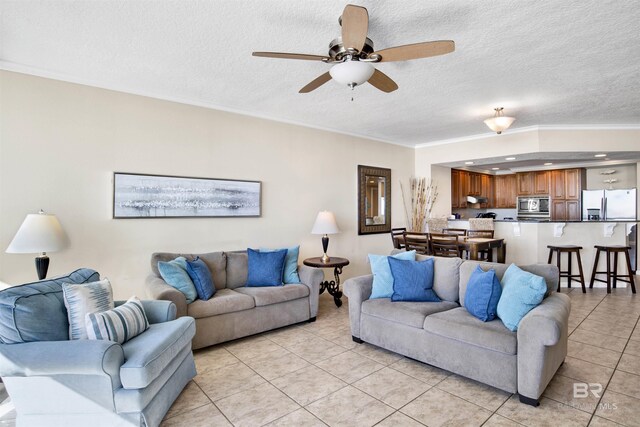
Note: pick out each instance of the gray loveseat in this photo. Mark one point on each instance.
(445, 335)
(236, 311)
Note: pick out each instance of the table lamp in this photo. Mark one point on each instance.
(39, 233)
(325, 224)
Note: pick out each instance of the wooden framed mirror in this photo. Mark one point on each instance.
(374, 200)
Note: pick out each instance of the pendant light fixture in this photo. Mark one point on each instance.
(498, 122)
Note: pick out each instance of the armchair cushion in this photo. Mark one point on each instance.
(22, 309)
(148, 354)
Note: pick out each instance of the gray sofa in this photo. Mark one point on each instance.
(236, 311)
(445, 335)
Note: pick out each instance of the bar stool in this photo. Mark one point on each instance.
(568, 249)
(613, 273)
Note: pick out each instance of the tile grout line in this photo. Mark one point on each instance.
(614, 370)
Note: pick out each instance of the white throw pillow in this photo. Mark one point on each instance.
(82, 299)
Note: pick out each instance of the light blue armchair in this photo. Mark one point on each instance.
(55, 381)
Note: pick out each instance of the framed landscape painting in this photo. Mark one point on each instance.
(158, 196)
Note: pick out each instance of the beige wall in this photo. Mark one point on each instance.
(60, 144)
(625, 174)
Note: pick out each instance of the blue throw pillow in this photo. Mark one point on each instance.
(382, 279)
(290, 274)
(521, 293)
(265, 268)
(412, 280)
(483, 293)
(175, 274)
(201, 277)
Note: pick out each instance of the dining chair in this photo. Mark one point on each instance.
(397, 237)
(418, 242)
(443, 248)
(442, 239)
(455, 231)
(487, 234)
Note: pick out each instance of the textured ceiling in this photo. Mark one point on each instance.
(548, 62)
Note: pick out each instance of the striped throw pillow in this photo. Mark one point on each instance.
(120, 324)
(84, 298)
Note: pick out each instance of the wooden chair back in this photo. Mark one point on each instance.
(418, 242)
(442, 248)
(481, 233)
(397, 237)
(455, 231)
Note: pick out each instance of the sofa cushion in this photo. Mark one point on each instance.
(549, 272)
(265, 268)
(483, 293)
(23, 308)
(412, 280)
(460, 325)
(446, 276)
(216, 261)
(275, 294)
(223, 301)
(148, 354)
(407, 313)
(237, 269)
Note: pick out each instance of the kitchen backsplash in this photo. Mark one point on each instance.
(500, 213)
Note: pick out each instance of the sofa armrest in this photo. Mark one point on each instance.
(358, 290)
(542, 344)
(157, 311)
(312, 277)
(158, 289)
(76, 357)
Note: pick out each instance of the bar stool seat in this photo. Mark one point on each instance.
(568, 249)
(612, 271)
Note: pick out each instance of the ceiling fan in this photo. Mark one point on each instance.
(352, 55)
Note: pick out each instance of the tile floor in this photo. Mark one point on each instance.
(314, 375)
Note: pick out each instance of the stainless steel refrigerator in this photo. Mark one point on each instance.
(599, 205)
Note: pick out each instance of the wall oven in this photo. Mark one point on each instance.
(533, 207)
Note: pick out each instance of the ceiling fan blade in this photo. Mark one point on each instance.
(355, 24)
(417, 50)
(383, 82)
(282, 55)
(316, 83)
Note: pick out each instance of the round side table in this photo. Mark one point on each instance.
(333, 286)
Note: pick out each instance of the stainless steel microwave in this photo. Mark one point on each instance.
(533, 207)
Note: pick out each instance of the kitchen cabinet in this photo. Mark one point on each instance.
(455, 189)
(541, 182)
(566, 190)
(487, 190)
(505, 189)
(463, 189)
(475, 184)
(525, 183)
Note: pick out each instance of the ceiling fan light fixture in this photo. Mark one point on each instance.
(351, 72)
(499, 123)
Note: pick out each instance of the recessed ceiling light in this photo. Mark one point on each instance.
(495, 169)
(510, 158)
(600, 155)
(548, 164)
(468, 163)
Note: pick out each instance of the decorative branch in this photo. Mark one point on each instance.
(423, 196)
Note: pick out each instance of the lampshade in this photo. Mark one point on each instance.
(325, 224)
(38, 233)
(498, 122)
(351, 72)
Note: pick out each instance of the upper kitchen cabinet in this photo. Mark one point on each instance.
(475, 184)
(533, 183)
(505, 191)
(488, 190)
(464, 183)
(455, 188)
(566, 189)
